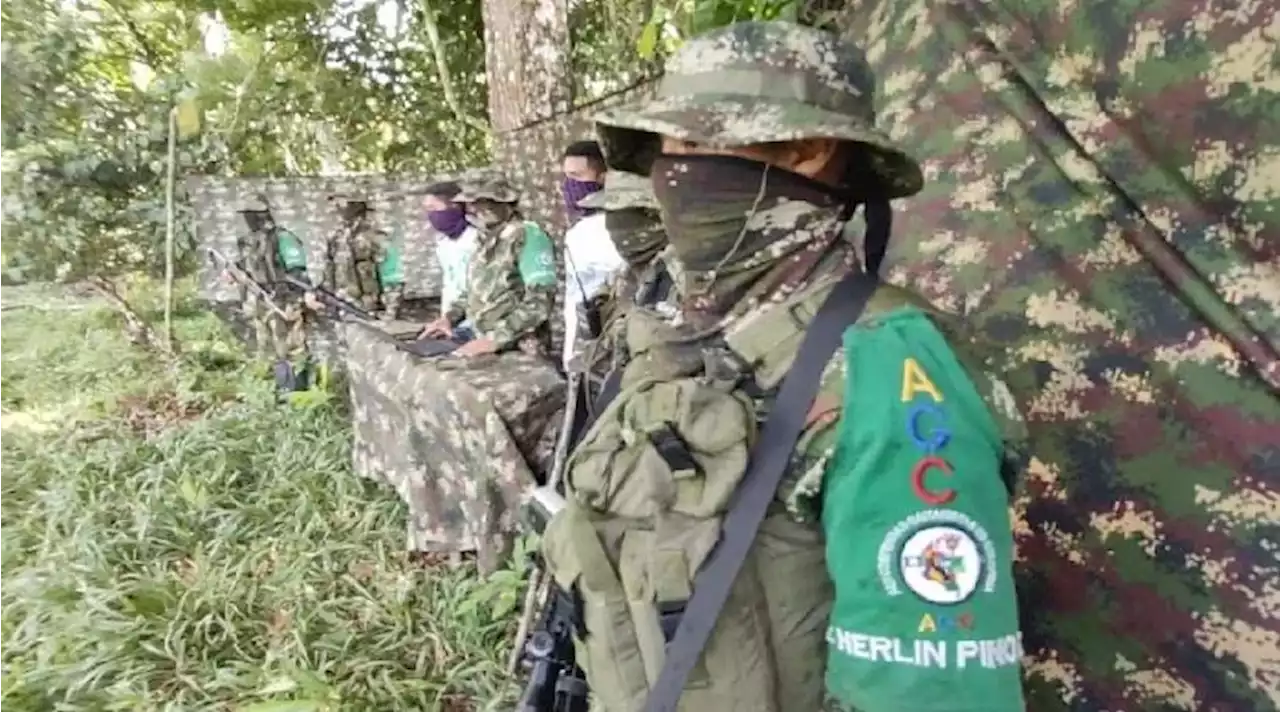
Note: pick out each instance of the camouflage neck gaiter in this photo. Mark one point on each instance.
(637, 233)
(743, 230)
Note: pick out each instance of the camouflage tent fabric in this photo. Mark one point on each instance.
(460, 440)
(300, 205)
(1102, 199)
(530, 157)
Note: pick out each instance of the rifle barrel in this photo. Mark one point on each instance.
(329, 298)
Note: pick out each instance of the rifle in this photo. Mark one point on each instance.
(331, 300)
(556, 683)
(248, 282)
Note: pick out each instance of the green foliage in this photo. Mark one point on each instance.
(672, 22)
(295, 87)
(175, 540)
(84, 140)
(605, 54)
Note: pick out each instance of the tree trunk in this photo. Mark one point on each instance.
(527, 61)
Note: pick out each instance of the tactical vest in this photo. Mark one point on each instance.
(603, 354)
(648, 488)
(269, 254)
(261, 257)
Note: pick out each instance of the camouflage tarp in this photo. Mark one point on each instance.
(1103, 199)
(530, 157)
(299, 205)
(458, 439)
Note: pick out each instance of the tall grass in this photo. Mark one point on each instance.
(174, 540)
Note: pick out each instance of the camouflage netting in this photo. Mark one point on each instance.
(1103, 200)
(299, 205)
(530, 156)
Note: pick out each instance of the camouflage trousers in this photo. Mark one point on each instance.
(459, 440)
(276, 336)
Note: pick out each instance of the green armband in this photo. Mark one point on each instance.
(391, 269)
(291, 251)
(919, 541)
(537, 258)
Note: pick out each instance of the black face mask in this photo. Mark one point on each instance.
(637, 233)
(257, 222)
(353, 211)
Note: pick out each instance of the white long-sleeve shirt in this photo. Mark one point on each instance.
(454, 257)
(590, 263)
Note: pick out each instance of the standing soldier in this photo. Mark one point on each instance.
(268, 252)
(872, 562)
(634, 226)
(390, 260)
(362, 262)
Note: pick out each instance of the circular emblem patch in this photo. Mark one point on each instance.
(941, 564)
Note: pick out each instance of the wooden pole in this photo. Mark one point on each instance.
(168, 235)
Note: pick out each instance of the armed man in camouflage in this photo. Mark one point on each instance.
(362, 259)
(886, 558)
(267, 253)
(635, 227)
(511, 277)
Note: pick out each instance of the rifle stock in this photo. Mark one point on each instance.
(249, 282)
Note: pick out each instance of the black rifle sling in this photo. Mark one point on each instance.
(769, 460)
(879, 220)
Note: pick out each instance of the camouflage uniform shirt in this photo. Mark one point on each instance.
(497, 299)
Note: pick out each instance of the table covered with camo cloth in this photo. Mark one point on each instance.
(459, 439)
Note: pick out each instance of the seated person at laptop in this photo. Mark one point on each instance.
(511, 278)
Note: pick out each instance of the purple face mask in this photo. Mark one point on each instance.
(451, 222)
(575, 190)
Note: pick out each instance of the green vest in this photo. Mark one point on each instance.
(293, 256)
(391, 267)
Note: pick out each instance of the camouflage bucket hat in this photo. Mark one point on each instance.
(341, 198)
(253, 204)
(341, 201)
(496, 189)
(622, 190)
(760, 82)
